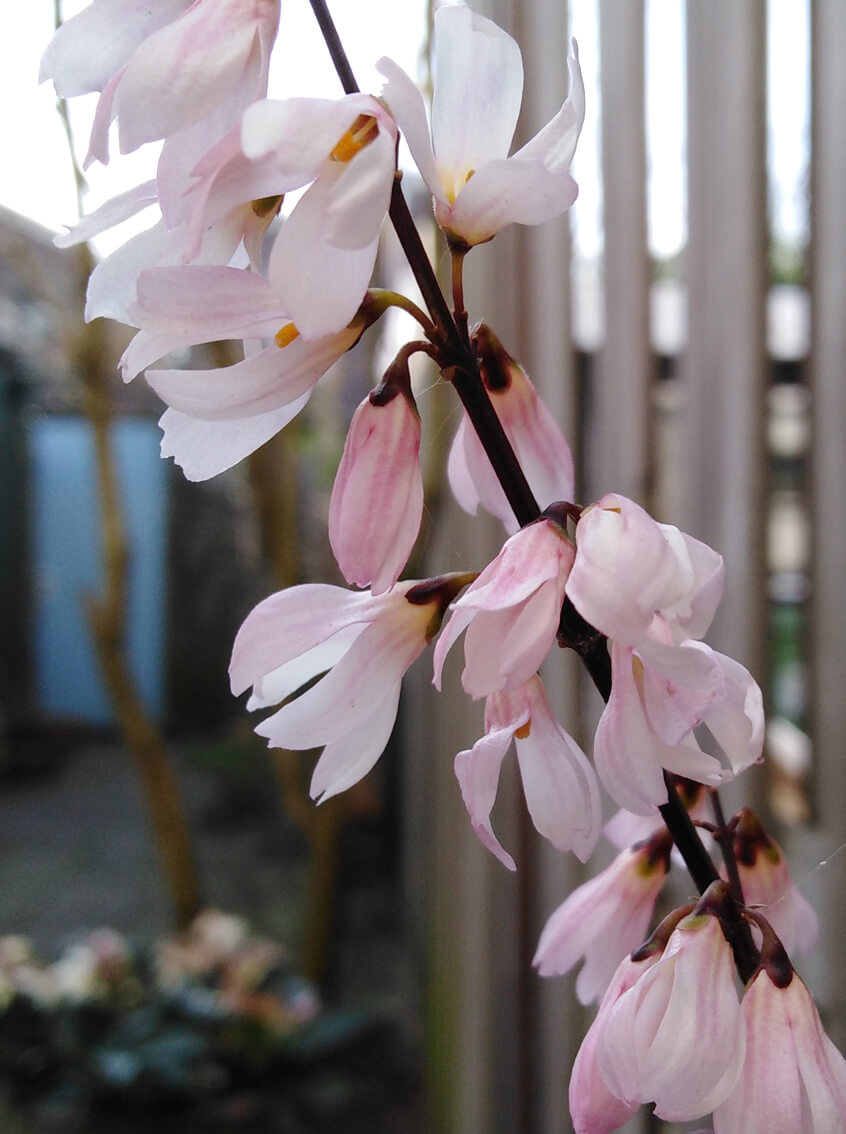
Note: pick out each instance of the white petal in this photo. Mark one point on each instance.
(346, 761)
(477, 93)
(352, 691)
(407, 107)
(507, 192)
(290, 623)
(202, 449)
(113, 212)
(321, 286)
(269, 380)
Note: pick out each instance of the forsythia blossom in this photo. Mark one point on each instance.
(605, 918)
(478, 88)
(361, 642)
(511, 612)
(653, 591)
(562, 793)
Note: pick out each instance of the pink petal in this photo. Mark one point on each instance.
(555, 144)
(407, 106)
(478, 776)
(113, 212)
(562, 792)
(353, 691)
(377, 499)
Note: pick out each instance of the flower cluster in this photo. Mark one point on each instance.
(634, 597)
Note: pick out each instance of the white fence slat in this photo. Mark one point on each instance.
(828, 382)
(725, 370)
(618, 435)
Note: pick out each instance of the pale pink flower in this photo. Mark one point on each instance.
(593, 1109)
(377, 498)
(605, 918)
(677, 1037)
(659, 694)
(653, 591)
(629, 569)
(511, 612)
(538, 443)
(794, 1078)
(345, 150)
(363, 644)
(216, 417)
(560, 786)
(162, 67)
(478, 88)
(768, 887)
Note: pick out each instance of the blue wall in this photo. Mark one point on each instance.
(67, 561)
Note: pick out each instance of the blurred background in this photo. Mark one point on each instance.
(368, 966)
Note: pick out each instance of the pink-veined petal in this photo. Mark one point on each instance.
(181, 72)
(478, 771)
(560, 785)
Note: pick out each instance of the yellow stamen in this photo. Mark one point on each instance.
(523, 731)
(362, 132)
(285, 335)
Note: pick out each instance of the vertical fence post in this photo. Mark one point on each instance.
(828, 384)
(725, 369)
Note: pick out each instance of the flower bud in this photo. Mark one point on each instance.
(377, 499)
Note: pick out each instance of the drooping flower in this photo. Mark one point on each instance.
(511, 612)
(593, 1108)
(560, 786)
(216, 417)
(363, 644)
(677, 1037)
(538, 443)
(768, 887)
(653, 591)
(605, 918)
(162, 67)
(793, 1079)
(659, 695)
(629, 569)
(377, 498)
(478, 88)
